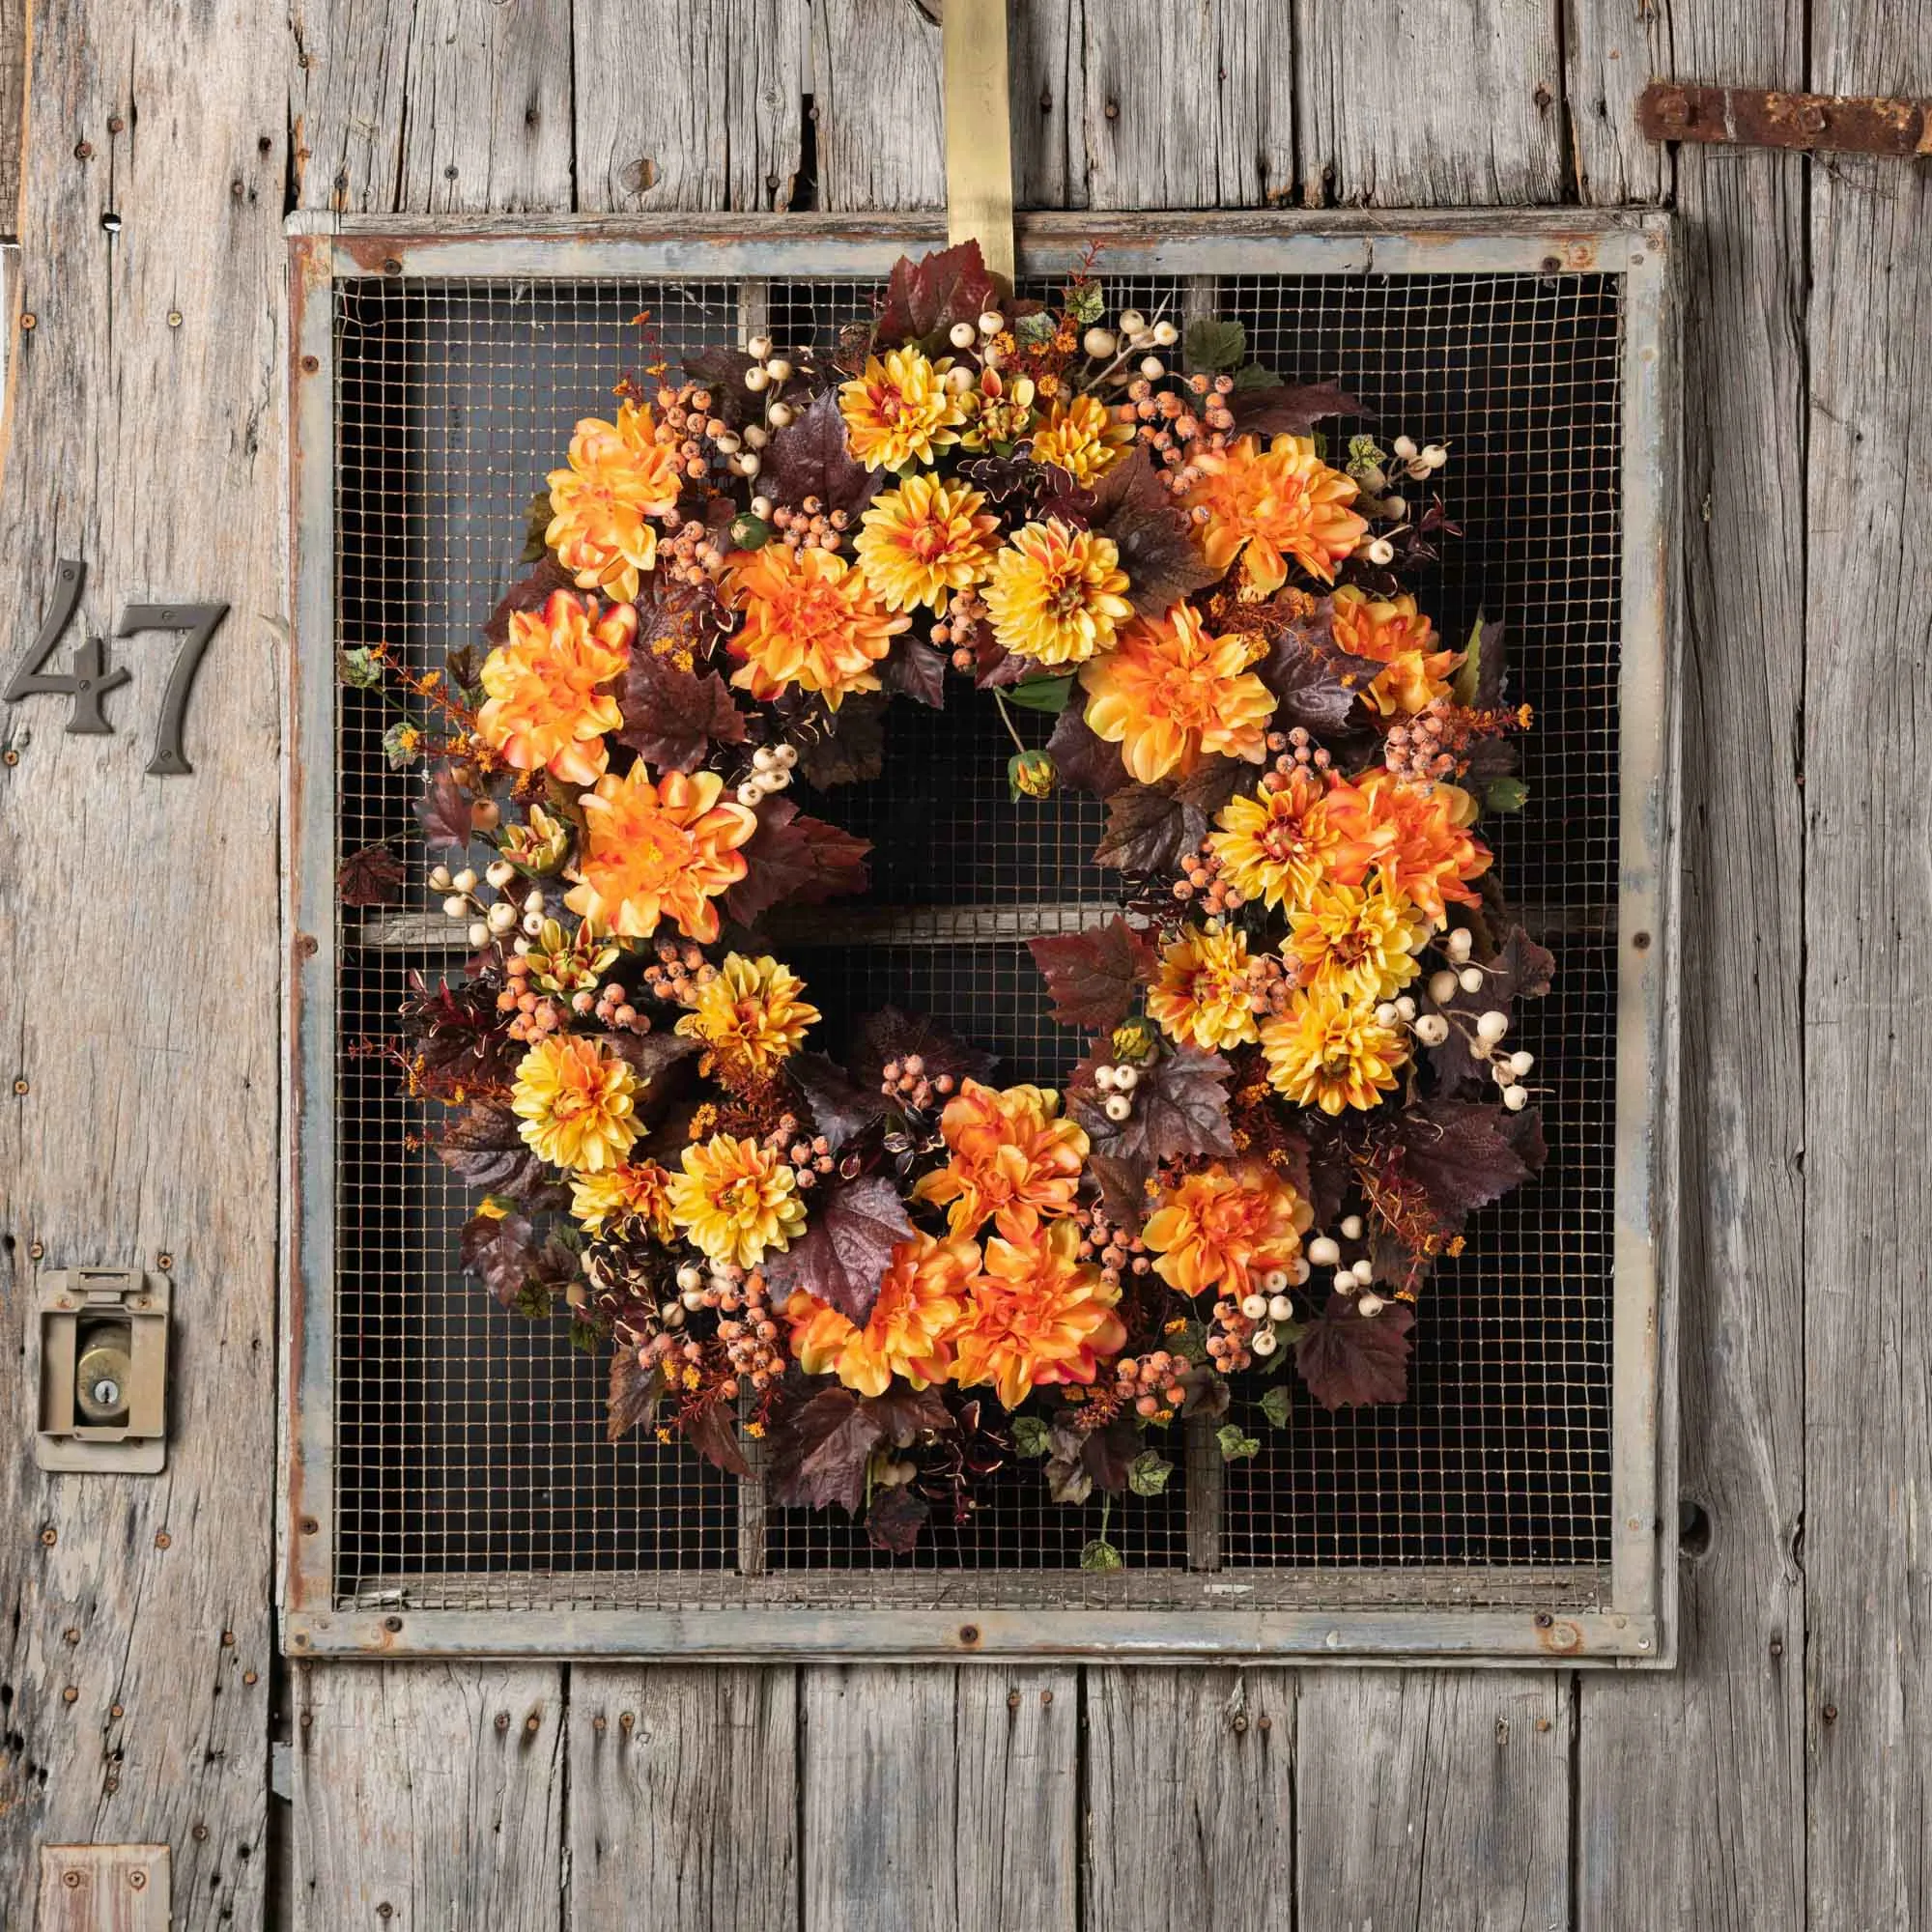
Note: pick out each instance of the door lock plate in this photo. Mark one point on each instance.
(103, 1370)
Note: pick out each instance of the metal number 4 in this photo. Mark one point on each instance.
(92, 679)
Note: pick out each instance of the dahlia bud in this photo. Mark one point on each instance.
(1031, 775)
(1133, 1042)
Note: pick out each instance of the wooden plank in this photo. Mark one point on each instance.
(432, 1790)
(937, 1799)
(431, 107)
(1412, 103)
(684, 106)
(1049, 94)
(1190, 1800)
(1690, 1786)
(1612, 49)
(1869, 1057)
(874, 85)
(1426, 1798)
(683, 1798)
(106, 1888)
(13, 110)
(141, 1075)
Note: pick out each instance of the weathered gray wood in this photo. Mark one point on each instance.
(1430, 1799)
(875, 84)
(431, 107)
(936, 1800)
(12, 102)
(432, 1789)
(1417, 104)
(689, 107)
(1868, 1054)
(140, 1075)
(683, 1790)
(1691, 1787)
(1047, 41)
(1190, 1800)
(105, 1889)
(1612, 49)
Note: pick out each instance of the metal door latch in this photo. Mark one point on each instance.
(1769, 116)
(103, 1335)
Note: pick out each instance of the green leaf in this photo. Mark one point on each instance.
(1274, 1406)
(1042, 693)
(1032, 330)
(362, 669)
(1256, 375)
(1085, 304)
(1463, 686)
(402, 743)
(1367, 452)
(1189, 1342)
(1148, 1473)
(1031, 1436)
(1213, 344)
(536, 520)
(1506, 795)
(1100, 1554)
(1233, 1443)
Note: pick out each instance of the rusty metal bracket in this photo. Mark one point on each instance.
(1761, 117)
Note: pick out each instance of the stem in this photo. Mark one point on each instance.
(1007, 718)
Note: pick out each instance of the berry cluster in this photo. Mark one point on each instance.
(771, 770)
(809, 527)
(1174, 428)
(809, 1161)
(1152, 1383)
(1110, 1246)
(907, 1082)
(679, 975)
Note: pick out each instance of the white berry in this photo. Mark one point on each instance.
(1404, 447)
(1459, 943)
(1352, 1228)
(500, 873)
(479, 933)
(1166, 335)
(1324, 1250)
(1152, 368)
(758, 347)
(1118, 1107)
(1126, 1078)
(750, 793)
(763, 759)
(1516, 1099)
(780, 417)
(1432, 1029)
(456, 905)
(1522, 1062)
(1266, 1342)
(1442, 986)
(534, 903)
(1382, 552)
(1280, 1308)
(1132, 322)
(465, 881)
(991, 321)
(1370, 1304)
(1099, 344)
(1255, 1307)
(1103, 1078)
(962, 335)
(440, 880)
(755, 379)
(1470, 978)
(1492, 1025)
(688, 1278)
(1275, 1280)
(502, 917)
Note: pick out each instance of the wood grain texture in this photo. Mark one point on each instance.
(683, 1798)
(1048, 38)
(1691, 1787)
(1191, 1788)
(938, 1799)
(1433, 1797)
(431, 107)
(1869, 1056)
(105, 1889)
(689, 107)
(1612, 49)
(875, 84)
(141, 1091)
(13, 110)
(432, 1789)
(1415, 103)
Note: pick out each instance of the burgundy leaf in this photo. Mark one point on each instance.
(1133, 508)
(1095, 976)
(721, 369)
(501, 1251)
(672, 717)
(1122, 1178)
(1108, 1453)
(923, 298)
(633, 1393)
(713, 1431)
(449, 813)
(1462, 1157)
(1180, 1108)
(819, 1447)
(527, 593)
(892, 1034)
(1149, 831)
(811, 458)
(993, 665)
(1314, 684)
(904, 1415)
(456, 1034)
(848, 746)
(896, 1519)
(847, 1245)
(1291, 409)
(1215, 782)
(793, 857)
(483, 1148)
(916, 671)
(839, 1107)
(1348, 1359)
(1084, 760)
(370, 877)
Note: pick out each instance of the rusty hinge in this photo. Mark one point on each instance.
(1762, 117)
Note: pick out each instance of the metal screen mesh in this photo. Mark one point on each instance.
(471, 1465)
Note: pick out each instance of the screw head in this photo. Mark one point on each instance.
(138, 1880)
(71, 1879)
(30, 320)
(174, 318)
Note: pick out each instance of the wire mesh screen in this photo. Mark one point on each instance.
(471, 1464)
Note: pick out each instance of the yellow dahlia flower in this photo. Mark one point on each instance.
(1204, 995)
(1038, 1314)
(810, 619)
(574, 1103)
(618, 1193)
(1013, 1158)
(736, 1201)
(1424, 848)
(548, 709)
(1168, 694)
(1361, 941)
(652, 851)
(620, 476)
(998, 410)
(1057, 595)
(1269, 508)
(1082, 437)
(909, 1331)
(750, 1017)
(1329, 1052)
(900, 411)
(925, 540)
(1392, 633)
(1282, 844)
(1227, 1229)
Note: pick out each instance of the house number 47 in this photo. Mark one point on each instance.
(92, 677)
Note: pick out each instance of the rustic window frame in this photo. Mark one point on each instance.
(1356, 1615)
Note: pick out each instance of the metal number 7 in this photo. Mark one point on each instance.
(200, 621)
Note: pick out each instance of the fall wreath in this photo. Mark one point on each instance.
(1299, 1081)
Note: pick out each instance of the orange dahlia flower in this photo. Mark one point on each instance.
(1057, 595)
(925, 540)
(643, 1192)
(1329, 1052)
(1038, 1314)
(619, 477)
(1168, 694)
(1013, 1158)
(574, 1104)
(750, 1017)
(1281, 844)
(1361, 940)
(900, 411)
(736, 1201)
(810, 619)
(548, 709)
(652, 851)
(1424, 848)
(1204, 996)
(1082, 437)
(1268, 508)
(1227, 1229)
(910, 1329)
(1394, 633)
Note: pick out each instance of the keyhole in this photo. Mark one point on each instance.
(108, 1392)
